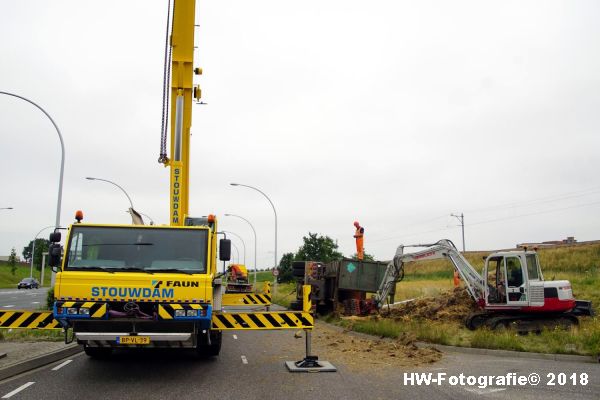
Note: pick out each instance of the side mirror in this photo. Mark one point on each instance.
(54, 253)
(225, 250)
(55, 237)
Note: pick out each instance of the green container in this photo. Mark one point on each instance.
(364, 276)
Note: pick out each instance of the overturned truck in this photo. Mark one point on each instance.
(340, 286)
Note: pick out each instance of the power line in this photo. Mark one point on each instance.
(541, 200)
(534, 213)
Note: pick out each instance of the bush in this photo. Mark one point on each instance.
(50, 299)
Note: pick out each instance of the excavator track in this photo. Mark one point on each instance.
(522, 323)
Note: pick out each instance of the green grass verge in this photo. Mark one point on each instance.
(584, 340)
(31, 335)
(8, 280)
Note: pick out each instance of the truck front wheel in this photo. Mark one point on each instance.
(214, 348)
(97, 352)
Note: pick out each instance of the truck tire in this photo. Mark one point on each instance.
(214, 348)
(97, 352)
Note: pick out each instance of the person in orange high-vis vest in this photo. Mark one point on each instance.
(359, 236)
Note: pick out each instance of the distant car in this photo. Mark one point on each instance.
(28, 283)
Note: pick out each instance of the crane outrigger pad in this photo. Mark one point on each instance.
(28, 320)
(262, 320)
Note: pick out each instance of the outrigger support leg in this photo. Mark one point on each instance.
(310, 363)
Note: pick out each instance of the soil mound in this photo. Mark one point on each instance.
(452, 305)
(364, 353)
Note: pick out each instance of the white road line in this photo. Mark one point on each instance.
(244, 360)
(235, 337)
(9, 306)
(17, 390)
(35, 302)
(59, 366)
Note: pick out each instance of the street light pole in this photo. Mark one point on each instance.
(62, 159)
(147, 216)
(33, 251)
(254, 231)
(242, 240)
(461, 219)
(275, 212)
(89, 178)
(237, 252)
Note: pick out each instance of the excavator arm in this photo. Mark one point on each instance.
(442, 249)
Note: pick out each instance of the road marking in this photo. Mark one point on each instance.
(235, 337)
(35, 302)
(244, 360)
(9, 306)
(17, 390)
(59, 366)
(484, 391)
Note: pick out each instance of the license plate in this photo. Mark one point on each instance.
(133, 340)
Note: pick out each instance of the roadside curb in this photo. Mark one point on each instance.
(510, 353)
(39, 361)
(479, 351)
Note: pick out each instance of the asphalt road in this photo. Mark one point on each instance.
(22, 299)
(251, 366)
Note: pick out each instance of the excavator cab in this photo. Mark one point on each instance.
(511, 277)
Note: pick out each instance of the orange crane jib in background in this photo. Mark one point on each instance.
(359, 236)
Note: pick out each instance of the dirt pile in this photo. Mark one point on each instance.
(363, 353)
(452, 305)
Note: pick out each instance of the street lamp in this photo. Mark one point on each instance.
(89, 178)
(33, 251)
(6, 208)
(62, 160)
(237, 251)
(274, 211)
(242, 240)
(147, 216)
(254, 231)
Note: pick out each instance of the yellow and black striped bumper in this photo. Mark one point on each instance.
(28, 320)
(262, 321)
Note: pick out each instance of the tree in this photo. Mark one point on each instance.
(366, 257)
(318, 248)
(41, 246)
(285, 268)
(12, 261)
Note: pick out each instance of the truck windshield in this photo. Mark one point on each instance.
(137, 249)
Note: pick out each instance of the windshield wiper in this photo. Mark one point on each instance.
(181, 271)
(135, 269)
(82, 268)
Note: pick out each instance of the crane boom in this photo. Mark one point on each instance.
(182, 92)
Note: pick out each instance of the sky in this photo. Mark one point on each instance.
(393, 113)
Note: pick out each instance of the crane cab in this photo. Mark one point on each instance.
(513, 280)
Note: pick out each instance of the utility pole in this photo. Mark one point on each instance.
(461, 219)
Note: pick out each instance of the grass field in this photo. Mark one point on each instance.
(8, 280)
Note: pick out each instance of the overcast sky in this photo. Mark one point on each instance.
(392, 113)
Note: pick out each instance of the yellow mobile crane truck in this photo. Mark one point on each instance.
(120, 286)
